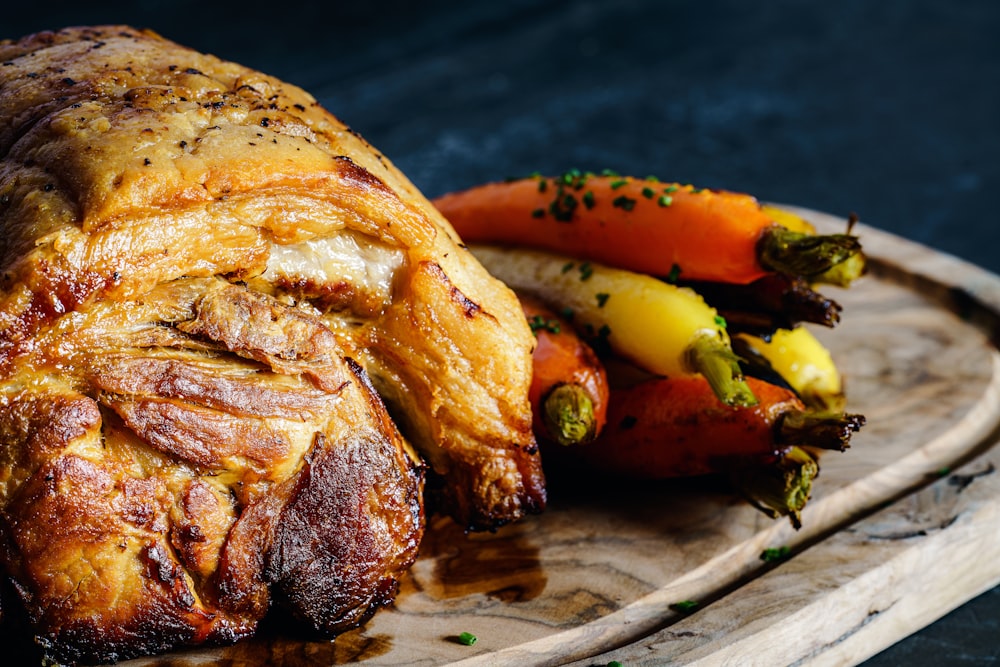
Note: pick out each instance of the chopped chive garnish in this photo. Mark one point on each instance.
(538, 323)
(665, 200)
(648, 193)
(467, 638)
(563, 206)
(567, 267)
(617, 184)
(586, 271)
(774, 554)
(670, 188)
(572, 177)
(588, 199)
(608, 172)
(675, 273)
(602, 298)
(543, 185)
(720, 321)
(624, 203)
(538, 213)
(684, 606)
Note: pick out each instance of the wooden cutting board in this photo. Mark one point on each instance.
(901, 528)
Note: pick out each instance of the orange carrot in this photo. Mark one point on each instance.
(672, 427)
(642, 225)
(569, 387)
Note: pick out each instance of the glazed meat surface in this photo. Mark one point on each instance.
(213, 296)
(176, 485)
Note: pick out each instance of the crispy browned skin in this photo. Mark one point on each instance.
(200, 270)
(168, 489)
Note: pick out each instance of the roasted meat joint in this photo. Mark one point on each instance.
(235, 343)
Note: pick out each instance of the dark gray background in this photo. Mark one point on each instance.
(889, 109)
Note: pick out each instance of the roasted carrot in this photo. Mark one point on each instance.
(788, 220)
(643, 225)
(674, 427)
(569, 387)
(843, 273)
(770, 303)
(804, 363)
(662, 328)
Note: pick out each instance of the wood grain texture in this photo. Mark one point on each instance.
(843, 599)
(888, 544)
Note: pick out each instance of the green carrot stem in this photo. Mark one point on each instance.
(714, 359)
(804, 255)
(778, 487)
(772, 302)
(568, 414)
(843, 273)
(823, 430)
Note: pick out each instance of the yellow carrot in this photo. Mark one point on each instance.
(662, 328)
(802, 361)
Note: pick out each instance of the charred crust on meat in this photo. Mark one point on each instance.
(350, 170)
(226, 452)
(468, 307)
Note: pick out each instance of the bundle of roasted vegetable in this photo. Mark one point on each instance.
(695, 302)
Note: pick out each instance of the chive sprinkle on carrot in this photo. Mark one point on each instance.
(644, 226)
